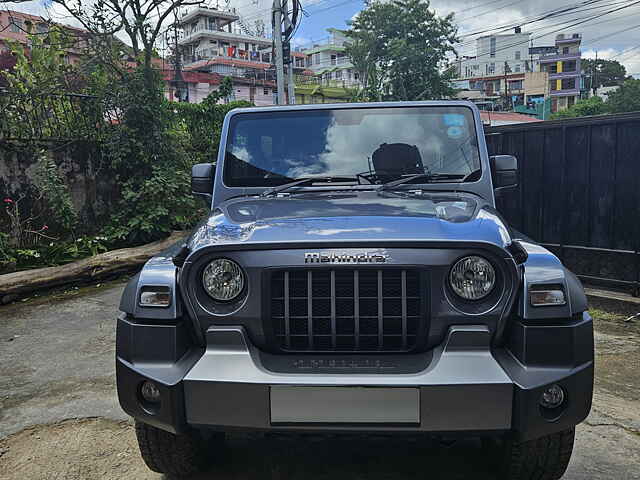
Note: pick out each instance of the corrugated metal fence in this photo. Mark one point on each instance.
(579, 192)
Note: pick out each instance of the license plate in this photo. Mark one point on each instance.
(292, 404)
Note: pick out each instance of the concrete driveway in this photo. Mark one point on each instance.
(59, 417)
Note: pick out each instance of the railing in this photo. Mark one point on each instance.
(332, 83)
(49, 117)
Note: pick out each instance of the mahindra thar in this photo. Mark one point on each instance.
(353, 275)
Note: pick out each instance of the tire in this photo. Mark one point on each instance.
(544, 458)
(174, 455)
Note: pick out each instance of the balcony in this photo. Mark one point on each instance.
(560, 57)
(212, 55)
(213, 33)
(568, 38)
(561, 75)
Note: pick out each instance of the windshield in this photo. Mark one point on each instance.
(382, 144)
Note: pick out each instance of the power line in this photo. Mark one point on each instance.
(506, 47)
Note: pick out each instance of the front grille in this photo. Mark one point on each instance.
(358, 310)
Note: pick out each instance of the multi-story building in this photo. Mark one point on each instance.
(538, 79)
(563, 68)
(210, 43)
(329, 62)
(497, 53)
(17, 26)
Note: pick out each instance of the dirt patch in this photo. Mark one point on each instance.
(73, 450)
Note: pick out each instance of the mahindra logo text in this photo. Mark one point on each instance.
(310, 257)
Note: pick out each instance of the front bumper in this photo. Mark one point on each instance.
(464, 386)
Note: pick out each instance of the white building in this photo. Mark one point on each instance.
(211, 42)
(330, 62)
(494, 51)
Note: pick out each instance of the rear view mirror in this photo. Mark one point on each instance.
(202, 175)
(504, 171)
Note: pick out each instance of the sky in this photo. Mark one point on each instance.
(613, 35)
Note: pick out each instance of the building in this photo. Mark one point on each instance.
(210, 43)
(17, 26)
(563, 68)
(492, 91)
(497, 54)
(329, 62)
(509, 74)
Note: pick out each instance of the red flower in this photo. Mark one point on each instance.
(8, 200)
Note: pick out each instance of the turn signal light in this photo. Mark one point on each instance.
(155, 297)
(547, 297)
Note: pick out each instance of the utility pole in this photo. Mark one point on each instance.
(594, 76)
(277, 11)
(506, 94)
(182, 94)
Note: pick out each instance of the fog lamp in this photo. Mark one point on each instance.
(149, 392)
(552, 397)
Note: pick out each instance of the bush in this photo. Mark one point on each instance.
(150, 151)
(590, 106)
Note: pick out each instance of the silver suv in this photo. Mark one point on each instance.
(353, 275)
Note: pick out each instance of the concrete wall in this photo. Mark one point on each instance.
(536, 83)
(79, 163)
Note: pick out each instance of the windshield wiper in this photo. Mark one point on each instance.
(427, 177)
(309, 180)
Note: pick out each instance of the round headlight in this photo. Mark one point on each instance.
(223, 279)
(472, 278)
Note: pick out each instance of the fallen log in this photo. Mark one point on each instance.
(104, 265)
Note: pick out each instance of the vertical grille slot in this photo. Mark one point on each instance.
(348, 310)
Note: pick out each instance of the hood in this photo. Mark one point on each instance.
(354, 216)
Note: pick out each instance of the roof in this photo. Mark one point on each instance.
(22, 35)
(506, 118)
(194, 77)
(228, 61)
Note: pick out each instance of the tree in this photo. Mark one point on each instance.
(626, 98)
(603, 73)
(582, 108)
(399, 49)
(141, 20)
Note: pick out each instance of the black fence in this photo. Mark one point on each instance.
(49, 117)
(579, 192)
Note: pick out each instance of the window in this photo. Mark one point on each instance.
(569, 66)
(333, 59)
(515, 85)
(313, 143)
(492, 47)
(517, 68)
(42, 28)
(266, 91)
(568, 83)
(316, 58)
(492, 68)
(517, 54)
(565, 50)
(16, 24)
(338, 74)
(212, 24)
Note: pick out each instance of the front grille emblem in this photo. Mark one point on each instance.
(311, 257)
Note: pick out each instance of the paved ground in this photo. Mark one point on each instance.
(56, 363)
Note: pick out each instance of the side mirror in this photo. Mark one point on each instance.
(504, 171)
(202, 175)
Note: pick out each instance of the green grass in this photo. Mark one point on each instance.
(599, 314)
